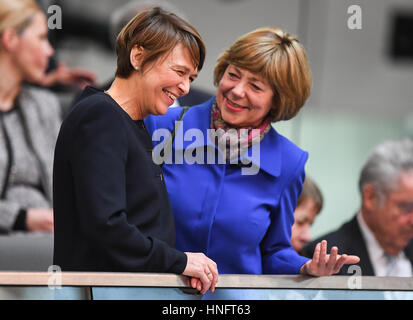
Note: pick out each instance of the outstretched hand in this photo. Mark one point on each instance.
(65, 76)
(324, 264)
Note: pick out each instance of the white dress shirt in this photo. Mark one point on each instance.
(383, 264)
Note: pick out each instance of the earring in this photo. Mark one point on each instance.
(136, 68)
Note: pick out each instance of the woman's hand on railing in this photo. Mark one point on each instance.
(324, 264)
(204, 272)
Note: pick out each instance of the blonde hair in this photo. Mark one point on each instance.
(280, 59)
(17, 14)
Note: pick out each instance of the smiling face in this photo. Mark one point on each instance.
(33, 50)
(244, 98)
(165, 80)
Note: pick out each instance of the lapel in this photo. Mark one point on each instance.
(197, 119)
(408, 251)
(357, 245)
(349, 240)
(37, 138)
(5, 158)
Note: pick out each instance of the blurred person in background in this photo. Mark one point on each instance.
(381, 232)
(243, 221)
(58, 75)
(29, 119)
(112, 211)
(61, 77)
(309, 205)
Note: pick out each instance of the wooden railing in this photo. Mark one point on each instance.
(20, 285)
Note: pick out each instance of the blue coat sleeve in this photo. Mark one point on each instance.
(167, 121)
(278, 255)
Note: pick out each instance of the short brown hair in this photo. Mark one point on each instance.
(280, 59)
(312, 192)
(158, 32)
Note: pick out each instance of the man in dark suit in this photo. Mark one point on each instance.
(381, 232)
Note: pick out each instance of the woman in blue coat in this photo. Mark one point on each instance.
(232, 180)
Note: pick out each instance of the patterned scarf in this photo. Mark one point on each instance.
(235, 141)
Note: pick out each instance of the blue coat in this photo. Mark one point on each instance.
(242, 222)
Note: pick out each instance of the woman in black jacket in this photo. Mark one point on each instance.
(111, 207)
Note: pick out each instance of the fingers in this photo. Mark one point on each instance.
(322, 257)
(316, 255)
(206, 283)
(210, 279)
(324, 264)
(192, 282)
(213, 269)
(321, 263)
(204, 269)
(345, 259)
(212, 273)
(39, 220)
(331, 264)
(196, 284)
(340, 263)
(352, 259)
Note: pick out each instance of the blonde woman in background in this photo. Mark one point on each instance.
(29, 119)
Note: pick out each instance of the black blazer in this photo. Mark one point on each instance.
(111, 207)
(349, 239)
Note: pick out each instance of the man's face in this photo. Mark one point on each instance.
(393, 219)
